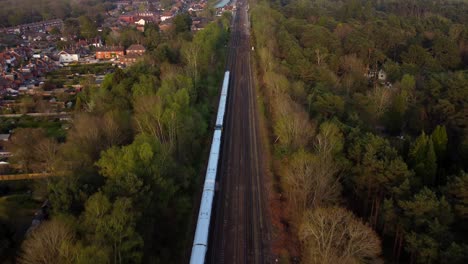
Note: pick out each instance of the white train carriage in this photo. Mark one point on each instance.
(200, 242)
(223, 101)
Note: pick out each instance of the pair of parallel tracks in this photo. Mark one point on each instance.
(239, 230)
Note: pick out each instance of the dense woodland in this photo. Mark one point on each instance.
(372, 170)
(132, 161)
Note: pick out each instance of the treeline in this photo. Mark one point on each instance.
(16, 12)
(362, 159)
(131, 161)
(451, 9)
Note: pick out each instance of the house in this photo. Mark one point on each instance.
(96, 42)
(145, 14)
(166, 15)
(35, 27)
(82, 52)
(380, 75)
(127, 18)
(82, 43)
(65, 57)
(136, 49)
(129, 59)
(141, 22)
(198, 24)
(110, 52)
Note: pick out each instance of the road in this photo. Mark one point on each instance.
(240, 228)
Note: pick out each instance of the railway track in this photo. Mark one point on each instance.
(240, 230)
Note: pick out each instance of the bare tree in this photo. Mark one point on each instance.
(352, 70)
(381, 98)
(48, 244)
(191, 51)
(47, 151)
(329, 142)
(149, 116)
(292, 125)
(115, 127)
(311, 181)
(335, 235)
(22, 145)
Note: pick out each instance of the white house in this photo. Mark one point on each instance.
(141, 22)
(65, 57)
(381, 75)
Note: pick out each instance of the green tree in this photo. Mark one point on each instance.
(408, 84)
(328, 105)
(456, 253)
(71, 27)
(423, 160)
(395, 116)
(133, 170)
(88, 28)
(457, 192)
(439, 139)
(182, 22)
(112, 225)
(446, 52)
(55, 31)
(378, 172)
(152, 36)
(417, 55)
(428, 219)
(393, 71)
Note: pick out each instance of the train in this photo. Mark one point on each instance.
(200, 241)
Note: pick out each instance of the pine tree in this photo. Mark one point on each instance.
(427, 219)
(457, 191)
(430, 164)
(423, 160)
(440, 139)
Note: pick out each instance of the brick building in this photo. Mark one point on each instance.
(110, 52)
(136, 49)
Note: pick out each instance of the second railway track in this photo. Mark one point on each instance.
(240, 231)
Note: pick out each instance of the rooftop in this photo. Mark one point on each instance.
(136, 47)
(4, 137)
(111, 48)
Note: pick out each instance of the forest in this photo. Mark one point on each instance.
(15, 12)
(131, 163)
(367, 105)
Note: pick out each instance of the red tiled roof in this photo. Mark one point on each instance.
(136, 47)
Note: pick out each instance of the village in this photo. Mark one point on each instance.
(43, 64)
(30, 52)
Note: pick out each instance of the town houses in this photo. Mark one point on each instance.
(42, 26)
(29, 52)
(110, 52)
(20, 69)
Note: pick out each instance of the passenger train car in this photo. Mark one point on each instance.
(200, 241)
